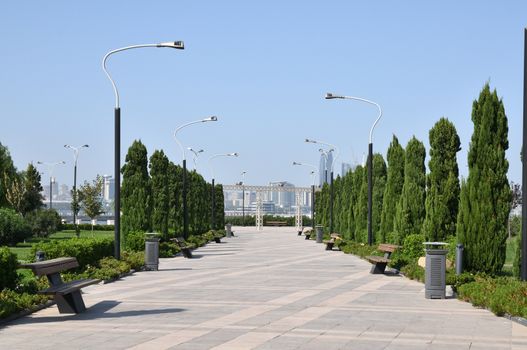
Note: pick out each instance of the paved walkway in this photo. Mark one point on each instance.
(264, 290)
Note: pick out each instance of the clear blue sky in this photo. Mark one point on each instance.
(262, 68)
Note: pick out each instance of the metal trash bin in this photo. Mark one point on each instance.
(40, 256)
(320, 233)
(228, 230)
(435, 270)
(151, 252)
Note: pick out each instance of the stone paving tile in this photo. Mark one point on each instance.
(255, 291)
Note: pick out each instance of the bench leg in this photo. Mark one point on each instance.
(186, 253)
(378, 268)
(299, 233)
(70, 303)
(307, 236)
(217, 240)
(329, 246)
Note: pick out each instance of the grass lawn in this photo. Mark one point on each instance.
(511, 252)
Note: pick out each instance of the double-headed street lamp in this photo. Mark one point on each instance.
(195, 156)
(51, 167)
(76, 151)
(184, 193)
(117, 151)
(331, 196)
(313, 174)
(330, 96)
(213, 190)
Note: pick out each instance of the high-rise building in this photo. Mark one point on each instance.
(108, 188)
(322, 175)
(346, 168)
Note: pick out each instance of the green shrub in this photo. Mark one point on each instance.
(44, 222)
(167, 249)
(359, 249)
(13, 228)
(136, 260)
(12, 302)
(88, 227)
(88, 251)
(8, 266)
(108, 268)
(414, 272)
(135, 241)
(502, 295)
(456, 281)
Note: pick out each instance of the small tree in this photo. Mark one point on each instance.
(91, 200)
(14, 191)
(32, 197)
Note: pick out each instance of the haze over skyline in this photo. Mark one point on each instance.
(262, 68)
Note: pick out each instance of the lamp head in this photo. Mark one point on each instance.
(210, 119)
(200, 151)
(330, 96)
(295, 163)
(235, 154)
(63, 162)
(311, 141)
(173, 44)
(39, 162)
(85, 146)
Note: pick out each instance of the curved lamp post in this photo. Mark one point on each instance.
(212, 172)
(76, 151)
(330, 96)
(195, 156)
(313, 174)
(331, 196)
(117, 151)
(51, 167)
(184, 194)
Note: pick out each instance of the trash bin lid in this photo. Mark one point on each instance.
(434, 245)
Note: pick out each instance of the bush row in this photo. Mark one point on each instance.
(251, 220)
(87, 227)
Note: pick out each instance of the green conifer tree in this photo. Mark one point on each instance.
(486, 196)
(442, 196)
(361, 206)
(32, 198)
(410, 211)
(379, 185)
(136, 193)
(393, 189)
(160, 192)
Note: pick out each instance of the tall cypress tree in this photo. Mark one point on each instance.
(136, 194)
(7, 171)
(379, 185)
(361, 206)
(442, 196)
(410, 211)
(175, 184)
(394, 187)
(219, 211)
(356, 184)
(32, 198)
(486, 195)
(160, 195)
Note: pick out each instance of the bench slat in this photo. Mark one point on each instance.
(377, 259)
(51, 266)
(69, 287)
(388, 247)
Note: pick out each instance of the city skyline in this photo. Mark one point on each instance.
(263, 70)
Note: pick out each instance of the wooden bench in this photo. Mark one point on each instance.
(276, 223)
(380, 262)
(67, 295)
(331, 242)
(308, 233)
(184, 247)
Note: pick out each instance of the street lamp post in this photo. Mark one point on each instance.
(524, 167)
(51, 167)
(331, 193)
(117, 132)
(76, 151)
(243, 197)
(213, 191)
(184, 193)
(313, 172)
(330, 96)
(195, 156)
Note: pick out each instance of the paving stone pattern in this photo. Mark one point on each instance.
(264, 290)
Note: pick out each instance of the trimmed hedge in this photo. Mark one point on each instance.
(88, 251)
(88, 227)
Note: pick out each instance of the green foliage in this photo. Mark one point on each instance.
(410, 211)
(12, 302)
(458, 280)
(32, 198)
(360, 210)
(136, 196)
(8, 266)
(392, 192)
(135, 241)
(85, 227)
(167, 249)
(219, 211)
(414, 272)
(91, 200)
(136, 260)
(442, 196)
(516, 265)
(160, 192)
(88, 251)
(44, 222)
(359, 249)
(379, 184)
(13, 228)
(7, 171)
(485, 197)
(502, 295)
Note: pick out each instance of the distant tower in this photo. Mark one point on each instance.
(322, 171)
(108, 188)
